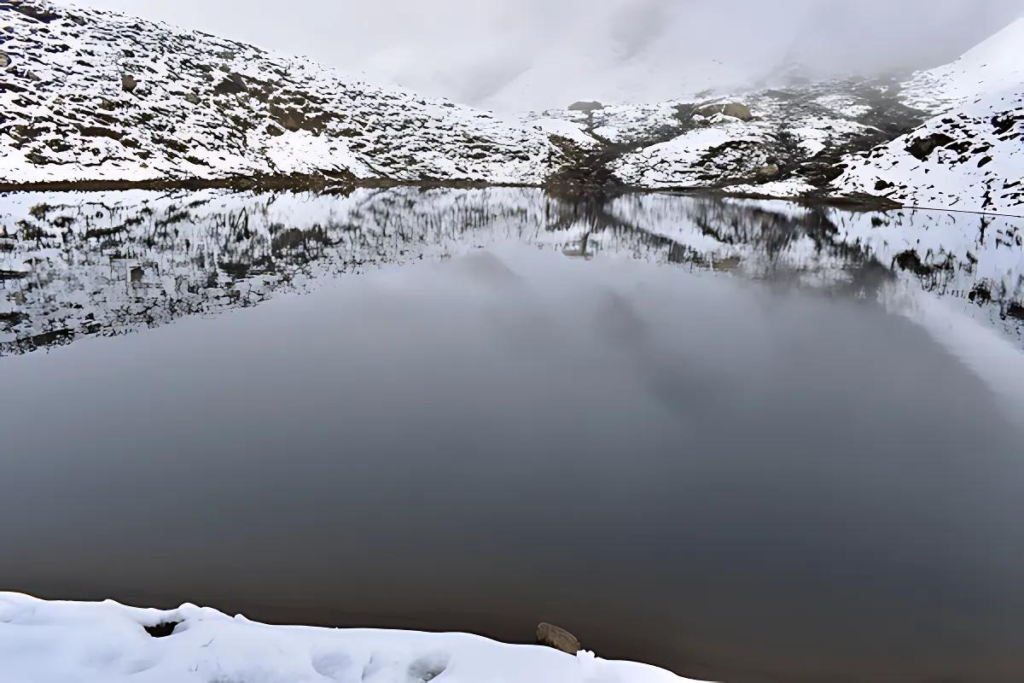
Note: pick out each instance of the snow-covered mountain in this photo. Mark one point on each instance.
(93, 97)
(97, 96)
(870, 140)
(782, 142)
(970, 156)
(994, 65)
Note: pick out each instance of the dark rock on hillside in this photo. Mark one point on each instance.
(922, 147)
(734, 109)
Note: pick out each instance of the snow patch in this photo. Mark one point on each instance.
(107, 643)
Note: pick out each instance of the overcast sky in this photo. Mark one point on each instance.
(538, 53)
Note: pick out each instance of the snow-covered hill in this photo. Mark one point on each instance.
(92, 97)
(874, 136)
(97, 96)
(970, 156)
(779, 142)
(994, 65)
(970, 159)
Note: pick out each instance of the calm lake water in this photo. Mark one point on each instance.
(745, 441)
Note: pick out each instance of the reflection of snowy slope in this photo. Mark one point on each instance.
(108, 263)
(953, 254)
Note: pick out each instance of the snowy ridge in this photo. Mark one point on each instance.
(107, 643)
(88, 95)
(970, 156)
(995, 64)
(971, 159)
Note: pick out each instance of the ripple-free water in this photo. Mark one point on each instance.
(728, 438)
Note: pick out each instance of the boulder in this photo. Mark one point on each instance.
(4, 60)
(192, 98)
(922, 148)
(558, 638)
(233, 84)
(768, 171)
(733, 109)
(586, 107)
(128, 83)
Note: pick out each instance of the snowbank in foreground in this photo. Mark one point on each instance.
(107, 642)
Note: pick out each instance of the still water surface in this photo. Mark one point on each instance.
(721, 437)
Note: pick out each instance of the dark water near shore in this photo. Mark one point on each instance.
(737, 440)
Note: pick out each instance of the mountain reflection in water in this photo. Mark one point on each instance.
(73, 265)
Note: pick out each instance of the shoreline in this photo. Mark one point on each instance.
(326, 185)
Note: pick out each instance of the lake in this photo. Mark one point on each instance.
(746, 441)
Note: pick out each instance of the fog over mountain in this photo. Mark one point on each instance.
(528, 54)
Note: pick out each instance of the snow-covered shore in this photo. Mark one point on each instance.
(107, 642)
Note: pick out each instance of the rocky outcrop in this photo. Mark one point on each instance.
(558, 638)
(735, 110)
(921, 147)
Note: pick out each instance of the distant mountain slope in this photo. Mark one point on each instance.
(971, 155)
(781, 142)
(97, 96)
(869, 140)
(994, 65)
(970, 159)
